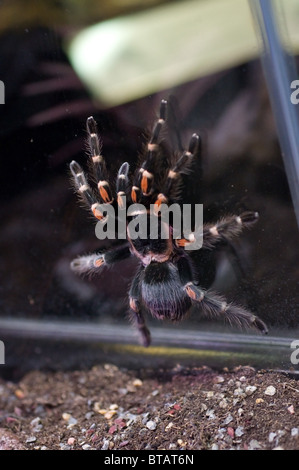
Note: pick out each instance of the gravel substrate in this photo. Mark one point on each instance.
(110, 408)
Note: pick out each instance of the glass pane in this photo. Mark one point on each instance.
(64, 62)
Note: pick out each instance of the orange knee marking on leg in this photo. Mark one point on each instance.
(144, 184)
(194, 294)
(98, 262)
(182, 242)
(172, 174)
(96, 212)
(134, 193)
(191, 293)
(146, 181)
(161, 199)
(97, 158)
(120, 199)
(133, 305)
(105, 191)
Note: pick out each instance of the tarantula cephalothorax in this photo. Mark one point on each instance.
(165, 284)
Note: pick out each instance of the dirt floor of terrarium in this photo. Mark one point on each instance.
(181, 408)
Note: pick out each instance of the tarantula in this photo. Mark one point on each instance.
(165, 284)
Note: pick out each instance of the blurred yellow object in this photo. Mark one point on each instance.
(132, 56)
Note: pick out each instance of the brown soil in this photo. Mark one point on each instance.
(189, 409)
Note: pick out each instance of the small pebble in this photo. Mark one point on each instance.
(137, 383)
(259, 400)
(272, 436)
(19, 393)
(109, 414)
(181, 443)
(98, 409)
(105, 445)
(295, 432)
(123, 443)
(250, 389)
(254, 444)
(169, 426)
(86, 447)
(239, 431)
(239, 392)
(36, 424)
(219, 379)
(35, 421)
(151, 425)
(223, 403)
(30, 439)
(210, 414)
(71, 441)
(231, 432)
(71, 422)
(291, 409)
(270, 391)
(64, 446)
(114, 406)
(228, 419)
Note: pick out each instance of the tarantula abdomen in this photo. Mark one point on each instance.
(162, 292)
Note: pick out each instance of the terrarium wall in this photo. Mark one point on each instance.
(42, 129)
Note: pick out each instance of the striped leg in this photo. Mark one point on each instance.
(144, 179)
(100, 173)
(182, 166)
(98, 162)
(224, 230)
(122, 184)
(93, 263)
(85, 191)
(214, 305)
(136, 314)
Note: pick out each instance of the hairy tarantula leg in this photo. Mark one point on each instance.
(85, 190)
(88, 263)
(144, 179)
(92, 263)
(135, 311)
(122, 184)
(214, 305)
(227, 228)
(98, 162)
(139, 322)
(182, 166)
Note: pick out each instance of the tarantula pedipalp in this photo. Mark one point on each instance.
(165, 284)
